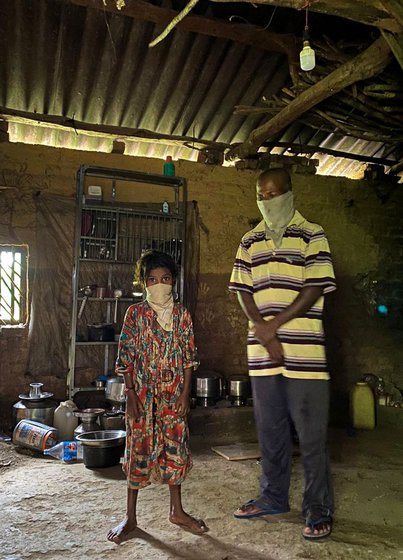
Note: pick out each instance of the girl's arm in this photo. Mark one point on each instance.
(125, 363)
(183, 403)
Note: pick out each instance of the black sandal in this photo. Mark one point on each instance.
(318, 523)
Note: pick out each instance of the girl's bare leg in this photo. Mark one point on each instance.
(179, 517)
(122, 532)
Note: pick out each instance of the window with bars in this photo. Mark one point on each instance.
(13, 284)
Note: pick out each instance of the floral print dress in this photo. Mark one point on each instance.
(157, 447)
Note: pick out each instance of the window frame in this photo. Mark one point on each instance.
(23, 290)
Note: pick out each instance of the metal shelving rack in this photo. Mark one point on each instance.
(115, 234)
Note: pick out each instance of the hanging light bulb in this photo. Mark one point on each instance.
(307, 55)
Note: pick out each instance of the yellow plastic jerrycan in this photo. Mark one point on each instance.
(362, 406)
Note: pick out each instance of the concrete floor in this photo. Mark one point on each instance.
(49, 510)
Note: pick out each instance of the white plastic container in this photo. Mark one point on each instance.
(65, 421)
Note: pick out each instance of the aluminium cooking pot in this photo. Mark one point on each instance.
(207, 387)
(239, 389)
(239, 386)
(103, 332)
(114, 389)
(102, 448)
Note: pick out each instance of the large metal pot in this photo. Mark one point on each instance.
(35, 405)
(114, 390)
(239, 389)
(207, 387)
(102, 449)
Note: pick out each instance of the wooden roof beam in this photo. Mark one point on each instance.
(367, 64)
(395, 42)
(241, 33)
(377, 13)
(245, 34)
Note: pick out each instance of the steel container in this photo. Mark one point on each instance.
(115, 390)
(34, 435)
(102, 448)
(239, 389)
(207, 387)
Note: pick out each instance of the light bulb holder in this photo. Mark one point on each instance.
(305, 35)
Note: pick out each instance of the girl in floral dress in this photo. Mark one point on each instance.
(155, 356)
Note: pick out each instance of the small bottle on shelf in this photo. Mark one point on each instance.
(165, 207)
(169, 167)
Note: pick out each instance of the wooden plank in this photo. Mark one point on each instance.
(367, 64)
(395, 43)
(370, 12)
(238, 451)
(244, 34)
(241, 33)
(102, 130)
(394, 8)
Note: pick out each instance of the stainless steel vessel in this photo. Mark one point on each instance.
(35, 405)
(239, 389)
(114, 390)
(207, 388)
(112, 421)
(102, 449)
(89, 423)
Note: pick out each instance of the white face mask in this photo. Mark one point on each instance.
(278, 211)
(160, 294)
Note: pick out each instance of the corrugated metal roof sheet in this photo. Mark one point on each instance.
(92, 66)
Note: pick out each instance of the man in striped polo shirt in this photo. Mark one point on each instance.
(282, 270)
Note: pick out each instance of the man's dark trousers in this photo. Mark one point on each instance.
(276, 399)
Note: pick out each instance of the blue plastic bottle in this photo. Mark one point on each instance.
(169, 167)
(66, 451)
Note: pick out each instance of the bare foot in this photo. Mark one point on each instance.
(189, 523)
(123, 531)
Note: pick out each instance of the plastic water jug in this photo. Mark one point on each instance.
(362, 406)
(65, 421)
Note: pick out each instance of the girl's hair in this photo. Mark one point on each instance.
(151, 260)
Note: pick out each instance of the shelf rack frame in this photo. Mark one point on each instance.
(178, 184)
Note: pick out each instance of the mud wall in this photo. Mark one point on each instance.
(362, 223)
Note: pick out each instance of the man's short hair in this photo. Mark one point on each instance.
(280, 174)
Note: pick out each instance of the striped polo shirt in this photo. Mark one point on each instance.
(275, 276)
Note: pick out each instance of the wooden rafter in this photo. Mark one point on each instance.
(395, 42)
(395, 9)
(240, 33)
(147, 136)
(370, 12)
(57, 122)
(367, 64)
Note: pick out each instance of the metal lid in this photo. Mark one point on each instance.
(41, 397)
(89, 413)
